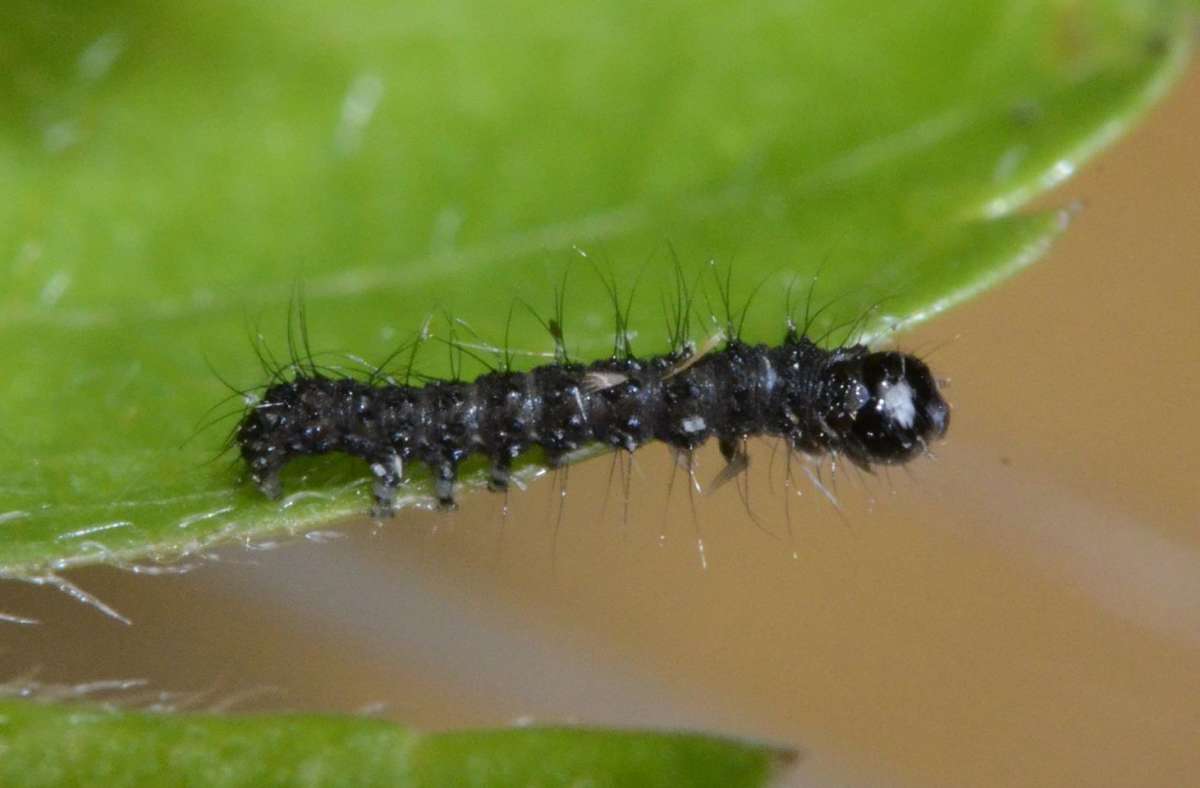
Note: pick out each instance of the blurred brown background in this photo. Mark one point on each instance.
(1023, 610)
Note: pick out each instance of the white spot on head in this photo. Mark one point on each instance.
(897, 402)
(693, 424)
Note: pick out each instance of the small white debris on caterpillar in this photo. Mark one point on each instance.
(599, 381)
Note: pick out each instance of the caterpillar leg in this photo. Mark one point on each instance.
(498, 476)
(733, 449)
(444, 474)
(388, 473)
(265, 475)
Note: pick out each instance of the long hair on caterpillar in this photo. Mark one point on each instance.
(868, 407)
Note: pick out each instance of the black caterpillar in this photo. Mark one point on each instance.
(870, 407)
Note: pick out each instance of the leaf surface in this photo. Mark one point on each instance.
(123, 749)
(169, 175)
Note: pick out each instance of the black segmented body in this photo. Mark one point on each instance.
(871, 407)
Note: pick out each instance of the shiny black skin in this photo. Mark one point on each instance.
(821, 401)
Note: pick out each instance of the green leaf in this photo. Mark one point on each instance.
(94, 745)
(168, 176)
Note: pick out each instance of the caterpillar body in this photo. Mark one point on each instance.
(871, 407)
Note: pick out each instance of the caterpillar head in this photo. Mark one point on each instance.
(880, 407)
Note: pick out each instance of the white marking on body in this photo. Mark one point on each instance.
(532, 408)
(897, 402)
(693, 424)
(579, 402)
(769, 376)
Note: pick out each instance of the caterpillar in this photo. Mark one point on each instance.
(870, 407)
